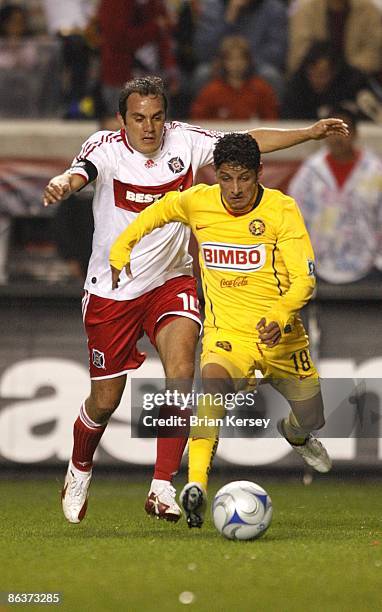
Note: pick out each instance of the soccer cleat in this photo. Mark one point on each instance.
(161, 503)
(312, 451)
(74, 495)
(194, 501)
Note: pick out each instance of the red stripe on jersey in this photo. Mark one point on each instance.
(124, 138)
(90, 146)
(195, 128)
(137, 197)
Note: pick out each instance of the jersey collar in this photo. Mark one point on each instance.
(257, 201)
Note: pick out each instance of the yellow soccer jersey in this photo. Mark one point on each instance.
(259, 264)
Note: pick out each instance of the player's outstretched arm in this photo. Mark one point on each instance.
(61, 187)
(273, 139)
(167, 209)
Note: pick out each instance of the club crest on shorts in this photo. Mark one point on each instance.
(223, 344)
(257, 227)
(176, 165)
(98, 359)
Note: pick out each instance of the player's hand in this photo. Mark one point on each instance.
(328, 127)
(269, 334)
(115, 275)
(57, 189)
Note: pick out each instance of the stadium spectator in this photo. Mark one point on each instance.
(68, 22)
(321, 82)
(353, 28)
(255, 325)
(186, 19)
(237, 93)
(16, 45)
(146, 49)
(132, 168)
(26, 64)
(262, 22)
(339, 190)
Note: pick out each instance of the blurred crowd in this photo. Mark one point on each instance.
(221, 59)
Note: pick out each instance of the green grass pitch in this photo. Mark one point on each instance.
(323, 551)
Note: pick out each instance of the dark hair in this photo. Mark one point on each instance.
(6, 13)
(144, 86)
(317, 51)
(238, 150)
(347, 111)
(235, 42)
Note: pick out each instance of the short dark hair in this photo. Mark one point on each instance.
(145, 86)
(347, 111)
(238, 150)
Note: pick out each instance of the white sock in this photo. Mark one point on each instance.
(78, 473)
(157, 483)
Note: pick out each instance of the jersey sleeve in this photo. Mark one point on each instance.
(92, 161)
(296, 250)
(202, 143)
(172, 207)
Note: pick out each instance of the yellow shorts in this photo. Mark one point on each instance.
(288, 366)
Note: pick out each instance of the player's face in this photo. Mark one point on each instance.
(144, 121)
(342, 147)
(236, 63)
(320, 75)
(238, 185)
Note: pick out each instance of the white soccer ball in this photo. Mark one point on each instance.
(242, 510)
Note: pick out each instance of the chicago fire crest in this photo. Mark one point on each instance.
(176, 165)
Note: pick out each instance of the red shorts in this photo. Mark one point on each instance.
(114, 327)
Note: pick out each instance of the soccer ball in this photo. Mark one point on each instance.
(242, 510)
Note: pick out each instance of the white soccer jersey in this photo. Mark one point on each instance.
(344, 223)
(127, 182)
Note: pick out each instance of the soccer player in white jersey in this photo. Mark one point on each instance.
(132, 168)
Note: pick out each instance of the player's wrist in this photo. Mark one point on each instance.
(118, 260)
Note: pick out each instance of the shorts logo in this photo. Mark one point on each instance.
(98, 359)
(257, 227)
(241, 257)
(223, 344)
(176, 165)
(311, 267)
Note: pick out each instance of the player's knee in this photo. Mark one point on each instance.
(182, 369)
(101, 407)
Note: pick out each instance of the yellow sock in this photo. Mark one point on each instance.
(204, 439)
(201, 454)
(293, 430)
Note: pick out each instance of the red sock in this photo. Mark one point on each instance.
(86, 434)
(170, 449)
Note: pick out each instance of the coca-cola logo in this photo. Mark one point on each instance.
(239, 281)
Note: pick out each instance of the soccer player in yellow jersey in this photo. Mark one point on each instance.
(257, 268)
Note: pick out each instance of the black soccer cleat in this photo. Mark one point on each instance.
(194, 501)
